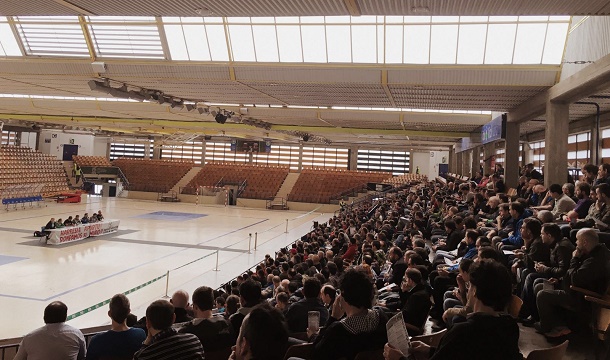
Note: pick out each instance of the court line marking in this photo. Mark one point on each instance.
(120, 272)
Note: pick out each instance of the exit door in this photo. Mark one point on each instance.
(69, 151)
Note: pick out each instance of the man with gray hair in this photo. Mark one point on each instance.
(589, 270)
(545, 216)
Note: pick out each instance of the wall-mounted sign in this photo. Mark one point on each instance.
(494, 130)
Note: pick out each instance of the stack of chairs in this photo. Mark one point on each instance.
(25, 166)
(153, 175)
(319, 185)
(262, 182)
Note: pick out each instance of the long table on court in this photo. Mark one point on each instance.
(81, 232)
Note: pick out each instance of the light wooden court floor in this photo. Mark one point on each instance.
(152, 239)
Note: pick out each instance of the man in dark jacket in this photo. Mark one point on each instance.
(297, 314)
(214, 332)
(249, 296)
(415, 299)
(589, 269)
(557, 267)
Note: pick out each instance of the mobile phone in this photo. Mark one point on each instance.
(313, 321)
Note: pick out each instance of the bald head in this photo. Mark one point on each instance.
(180, 299)
(586, 240)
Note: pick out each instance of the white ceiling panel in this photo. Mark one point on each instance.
(474, 75)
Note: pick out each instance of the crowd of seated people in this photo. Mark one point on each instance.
(458, 256)
(70, 221)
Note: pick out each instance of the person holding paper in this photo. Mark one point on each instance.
(488, 333)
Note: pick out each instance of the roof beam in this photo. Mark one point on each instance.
(127, 123)
(78, 9)
(353, 7)
(588, 81)
(384, 83)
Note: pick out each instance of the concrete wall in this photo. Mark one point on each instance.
(28, 139)
(421, 159)
(52, 141)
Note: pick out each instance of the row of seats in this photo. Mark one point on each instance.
(24, 166)
(405, 179)
(153, 175)
(91, 160)
(263, 182)
(324, 185)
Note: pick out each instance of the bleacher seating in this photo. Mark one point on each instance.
(263, 182)
(323, 185)
(153, 175)
(405, 179)
(23, 166)
(91, 160)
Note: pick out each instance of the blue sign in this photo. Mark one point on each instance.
(494, 130)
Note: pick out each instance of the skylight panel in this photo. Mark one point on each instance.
(500, 43)
(471, 45)
(176, 42)
(8, 43)
(474, 19)
(338, 43)
(197, 42)
(417, 19)
(52, 36)
(262, 20)
(217, 42)
(381, 44)
(265, 43)
(503, 19)
(529, 43)
(242, 44)
(126, 37)
(417, 44)
(445, 19)
(364, 20)
(555, 43)
(337, 19)
(443, 44)
(393, 44)
(364, 44)
(533, 18)
(314, 43)
(289, 42)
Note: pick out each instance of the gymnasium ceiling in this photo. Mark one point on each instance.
(380, 97)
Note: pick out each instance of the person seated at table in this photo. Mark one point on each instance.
(69, 221)
(77, 220)
(93, 218)
(100, 217)
(85, 219)
(50, 225)
(59, 224)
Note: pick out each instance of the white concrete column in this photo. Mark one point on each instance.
(203, 146)
(353, 158)
(556, 143)
(300, 157)
(511, 155)
(157, 148)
